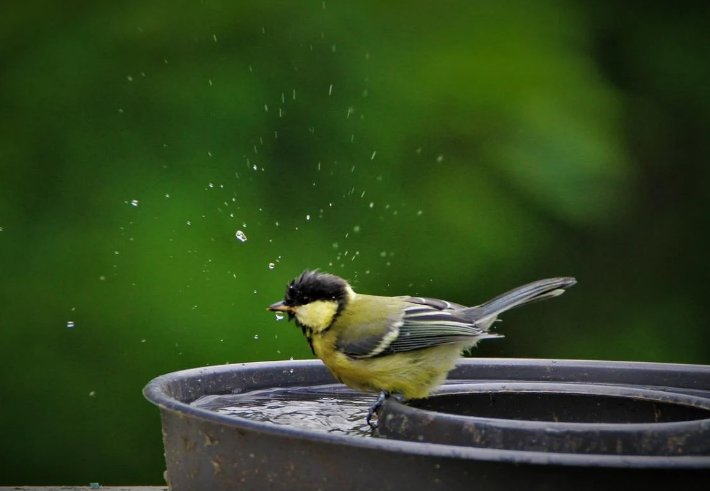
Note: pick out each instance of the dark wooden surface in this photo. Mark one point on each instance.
(83, 488)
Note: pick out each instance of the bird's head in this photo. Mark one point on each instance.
(314, 299)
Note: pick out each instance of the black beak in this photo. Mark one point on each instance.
(279, 307)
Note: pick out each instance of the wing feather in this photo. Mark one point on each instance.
(426, 323)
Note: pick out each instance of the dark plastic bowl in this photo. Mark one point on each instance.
(207, 450)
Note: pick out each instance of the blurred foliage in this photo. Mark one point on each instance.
(454, 150)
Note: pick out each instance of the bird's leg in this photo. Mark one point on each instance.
(377, 405)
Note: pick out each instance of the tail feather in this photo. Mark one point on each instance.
(485, 314)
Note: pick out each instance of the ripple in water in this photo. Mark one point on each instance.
(326, 408)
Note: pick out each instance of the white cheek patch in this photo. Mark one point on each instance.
(317, 315)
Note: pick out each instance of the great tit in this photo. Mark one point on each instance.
(402, 346)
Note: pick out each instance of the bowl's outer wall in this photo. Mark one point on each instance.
(206, 455)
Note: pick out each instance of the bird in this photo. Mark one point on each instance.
(399, 346)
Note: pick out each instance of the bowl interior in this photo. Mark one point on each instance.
(562, 407)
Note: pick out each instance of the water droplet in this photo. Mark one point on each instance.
(92, 393)
(356, 228)
(272, 265)
(134, 202)
(279, 316)
(70, 324)
(241, 236)
(308, 217)
(419, 213)
(210, 185)
(188, 223)
(372, 157)
(143, 340)
(372, 204)
(291, 370)
(256, 337)
(167, 195)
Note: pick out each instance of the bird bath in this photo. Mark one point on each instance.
(496, 424)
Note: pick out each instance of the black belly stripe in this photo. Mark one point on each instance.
(308, 334)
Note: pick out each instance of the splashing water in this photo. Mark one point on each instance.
(241, 236)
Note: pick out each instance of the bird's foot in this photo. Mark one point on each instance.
(372, 410)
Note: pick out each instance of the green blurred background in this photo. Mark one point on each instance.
(454, 150)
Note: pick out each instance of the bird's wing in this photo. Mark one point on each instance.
(425, 326)
(369, 345)
(424, 323)
(434, 303)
